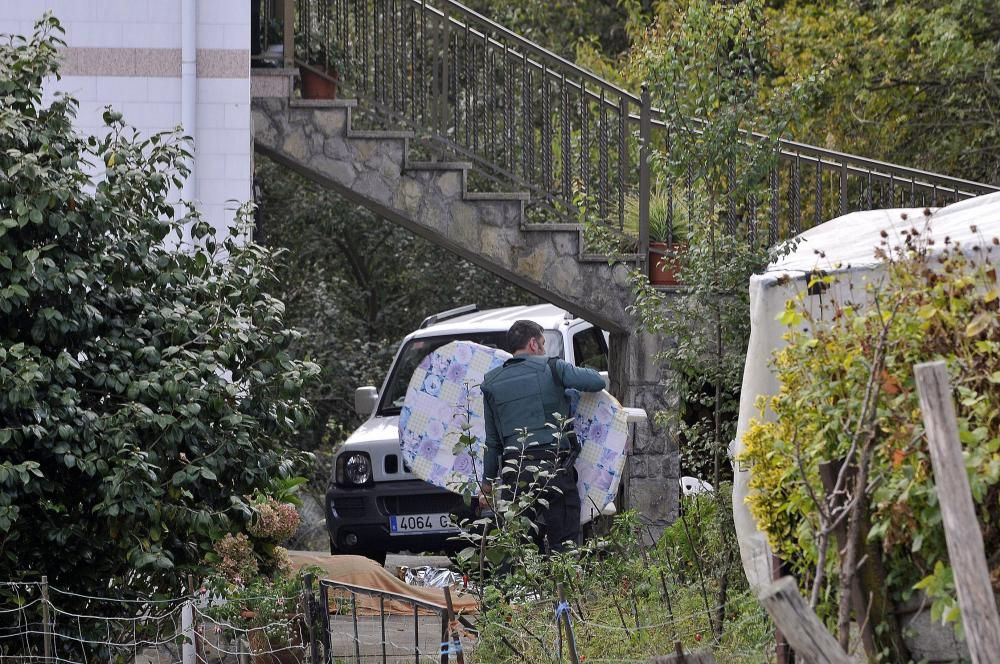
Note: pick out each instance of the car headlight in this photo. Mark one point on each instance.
(354, 468)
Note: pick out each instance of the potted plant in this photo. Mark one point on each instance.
(667, 240)
(321, 66)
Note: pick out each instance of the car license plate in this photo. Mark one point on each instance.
(420, 523)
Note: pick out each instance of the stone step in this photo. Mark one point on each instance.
(379, 134)
(432, 198)
(497, 196)
(322, 103)
(437, 166)
(552, 228)
(603, 258)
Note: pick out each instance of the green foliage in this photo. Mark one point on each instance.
(563, 26)
(705, 66)
(932, 307)
(147, 386)
(907, 82)
(910, 82)
(627, 601)
(710, 325)
(705, 63)
(271, 605)
(701, 541)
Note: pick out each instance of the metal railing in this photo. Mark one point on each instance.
(344, 597)
(578, 143)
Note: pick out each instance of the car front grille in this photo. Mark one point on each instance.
(349, 506)
(437, 503)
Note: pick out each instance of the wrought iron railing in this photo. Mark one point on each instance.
(576, 142)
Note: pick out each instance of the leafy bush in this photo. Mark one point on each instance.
(847, 384)
(146, 384)
(270, 604)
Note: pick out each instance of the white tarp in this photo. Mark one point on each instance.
(850, 243)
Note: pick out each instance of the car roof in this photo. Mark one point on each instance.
(549, 316)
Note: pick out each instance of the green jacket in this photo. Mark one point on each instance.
(524, 394)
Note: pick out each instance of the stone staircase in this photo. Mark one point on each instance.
(432, 198)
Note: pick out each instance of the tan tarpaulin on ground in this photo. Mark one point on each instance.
(360, 571)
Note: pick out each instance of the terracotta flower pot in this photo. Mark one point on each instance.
(318, 86)
(664, 263)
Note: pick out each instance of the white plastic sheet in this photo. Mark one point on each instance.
(846, 247)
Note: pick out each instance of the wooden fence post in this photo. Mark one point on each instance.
(801, 628)
(961, 528)
(309, 605)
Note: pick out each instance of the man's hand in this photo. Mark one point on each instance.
(485, 490)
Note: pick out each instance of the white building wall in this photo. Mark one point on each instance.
(127, 54)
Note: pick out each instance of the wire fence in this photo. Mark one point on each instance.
(345, 623)
(40, 623)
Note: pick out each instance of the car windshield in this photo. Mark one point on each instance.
(417, 349)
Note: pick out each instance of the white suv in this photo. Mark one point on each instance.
(374, 504)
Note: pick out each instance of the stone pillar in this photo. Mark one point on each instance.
(651, 482)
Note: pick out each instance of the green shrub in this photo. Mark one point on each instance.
(927, 307)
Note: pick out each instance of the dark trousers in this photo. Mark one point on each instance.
(558, 523)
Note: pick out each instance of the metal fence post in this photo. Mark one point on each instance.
(445, 37)
(288, 33)
(645, 117)
(445, 638)
(357, 636)
(564, 615)
(452, 630)
(46, 630)
(324, 603)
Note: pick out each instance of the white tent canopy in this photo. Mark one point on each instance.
(846, 247)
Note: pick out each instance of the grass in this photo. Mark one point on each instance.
(628, 602)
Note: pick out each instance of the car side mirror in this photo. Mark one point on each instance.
(607, 381)
(365, 399)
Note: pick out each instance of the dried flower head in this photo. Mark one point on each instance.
(236, 558)
(273, 520)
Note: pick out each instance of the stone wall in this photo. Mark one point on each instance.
(651, 484)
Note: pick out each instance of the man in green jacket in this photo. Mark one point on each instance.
(522, 397)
